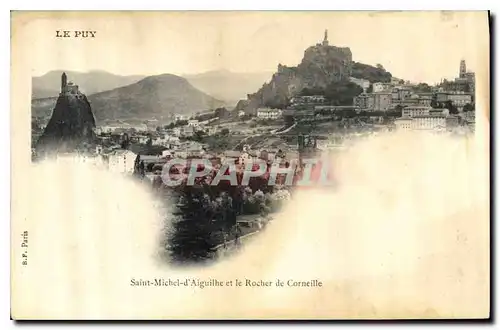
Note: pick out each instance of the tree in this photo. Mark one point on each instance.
(370, 89)
(225, 131)
(371, 73)
(125, 144)
(434, 102)
(423, 88)
(139, 169)
(342, 93)
(149, 142)
(198, 136)
(221, 112)
(449, 105)
(468, 107)
(192, 239)
(311, 91)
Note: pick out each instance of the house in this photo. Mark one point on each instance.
(363, 101)
(211, 130)
(308, 99)
(415, 111)
(422, 122)
(187, 131)
(380, 101)
(408, 102)
(460, 99)
(403, 123)
(193, 122)
(166, 154)
(143, 139)
(424, 101)
(380, 87)
(431, 122)
(469, 115)
(401, 93)
(121, 161)
(178, 117)
(195, 150)
(269, 114)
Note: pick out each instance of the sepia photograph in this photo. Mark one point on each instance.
(250, 165)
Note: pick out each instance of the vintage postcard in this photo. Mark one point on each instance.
(250, 165)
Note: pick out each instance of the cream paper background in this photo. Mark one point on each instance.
(406, 235)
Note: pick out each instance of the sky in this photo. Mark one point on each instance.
(415, 46)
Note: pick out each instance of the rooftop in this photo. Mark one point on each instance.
(118, 152)
(431, 116)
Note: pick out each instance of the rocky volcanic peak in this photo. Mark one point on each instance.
(72, 124)
(321, 65)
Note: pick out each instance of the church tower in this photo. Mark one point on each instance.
(463, 69)
(64, 82)
(325, 39)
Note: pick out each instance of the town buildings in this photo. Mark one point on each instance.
(422, 122)
(457, 99)
(381, 101)
(465, 82)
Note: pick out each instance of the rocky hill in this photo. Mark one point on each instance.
(89, 82)
(372, 73)
(321, 66)
(71, 125)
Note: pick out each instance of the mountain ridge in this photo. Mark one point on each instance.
(157, 96)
